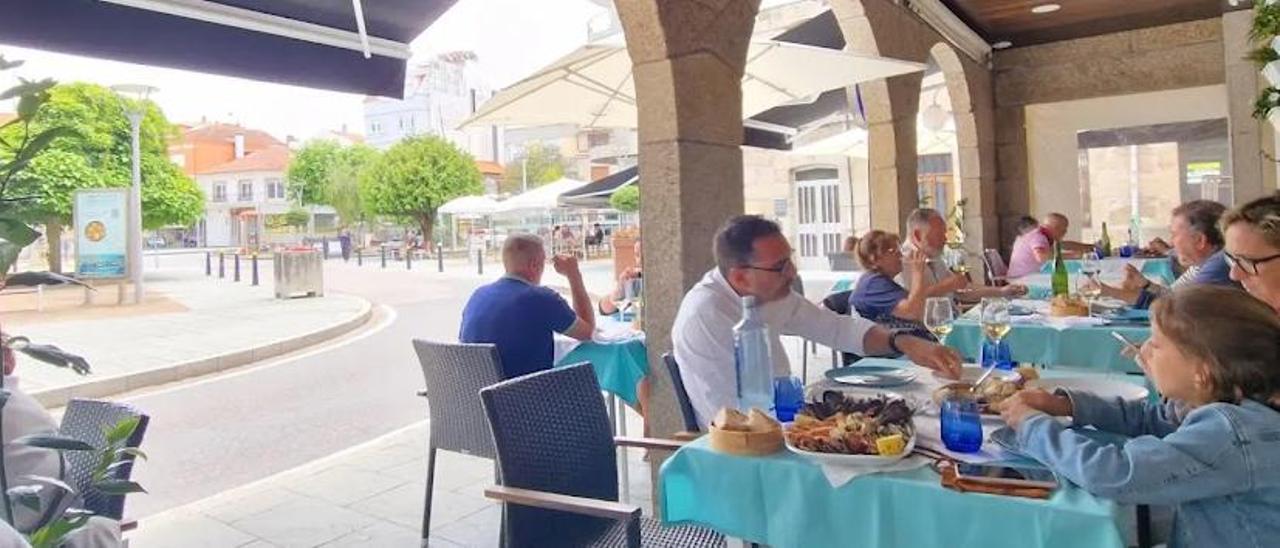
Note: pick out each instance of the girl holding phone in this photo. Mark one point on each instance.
(1214, 352)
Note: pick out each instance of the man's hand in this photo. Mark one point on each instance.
(1133, 279)
(931, 355)
(1159, 246)
(1013, 290)
(566, 265)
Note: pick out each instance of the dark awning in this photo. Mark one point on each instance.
(311, 43)
(596, 194)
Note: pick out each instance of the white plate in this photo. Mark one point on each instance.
(1101, 387)
(863, 461)
(970, 373)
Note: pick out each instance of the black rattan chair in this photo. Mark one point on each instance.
(558, 469)
(89, 421)
(455, 373)
(682, 397)
(839, 303)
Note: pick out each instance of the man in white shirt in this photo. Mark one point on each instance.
(927, 233)
(753, 258)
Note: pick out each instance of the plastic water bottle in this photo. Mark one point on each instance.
(752, 361)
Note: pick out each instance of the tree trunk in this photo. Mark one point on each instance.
(427, 222)
(53, 235)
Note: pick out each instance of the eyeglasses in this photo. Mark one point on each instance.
(779, 268)
(1249, 265)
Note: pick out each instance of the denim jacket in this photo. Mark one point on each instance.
(1219, 467)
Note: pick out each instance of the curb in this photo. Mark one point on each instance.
(110, 386)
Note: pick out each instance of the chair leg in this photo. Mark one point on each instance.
(426, 507)
(1144, 525)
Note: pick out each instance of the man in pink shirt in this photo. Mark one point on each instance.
(1035, 247)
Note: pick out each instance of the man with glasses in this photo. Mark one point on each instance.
(753, 258)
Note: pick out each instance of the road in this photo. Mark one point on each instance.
(212, 434)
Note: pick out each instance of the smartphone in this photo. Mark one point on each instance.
(1007, 475)
(1131, 350)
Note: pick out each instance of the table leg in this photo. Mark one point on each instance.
(618, 412)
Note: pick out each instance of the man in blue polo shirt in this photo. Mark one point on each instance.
(520, 316)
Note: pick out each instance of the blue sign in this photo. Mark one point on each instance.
(102, 229)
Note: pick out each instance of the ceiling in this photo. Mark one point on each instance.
(1013, 20)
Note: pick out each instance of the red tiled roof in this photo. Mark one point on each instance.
(273, 158)
(227, 133)
(489, 168)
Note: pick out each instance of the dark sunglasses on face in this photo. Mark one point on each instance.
(778, 268)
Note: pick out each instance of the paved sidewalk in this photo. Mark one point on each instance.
(201, 325)
(369, 495)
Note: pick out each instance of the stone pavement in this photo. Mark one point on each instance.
(204, 325)
(369, 495)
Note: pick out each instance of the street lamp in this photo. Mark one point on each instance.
(135, 110)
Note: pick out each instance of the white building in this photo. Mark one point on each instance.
(247, 198)
(439, 95)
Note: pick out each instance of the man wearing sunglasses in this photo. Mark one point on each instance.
(753, 258)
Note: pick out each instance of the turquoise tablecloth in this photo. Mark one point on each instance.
(1156, 268)
(784, 500)
(618, 365)
(1086, 347)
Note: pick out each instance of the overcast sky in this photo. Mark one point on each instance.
(511, 37)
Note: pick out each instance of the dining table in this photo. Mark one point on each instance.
(1038, 338)
(787, 499)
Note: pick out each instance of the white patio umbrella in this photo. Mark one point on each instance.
(470, 205)
(592, 87)
(851, 142)
(541, 198)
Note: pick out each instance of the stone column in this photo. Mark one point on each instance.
(688, 59)
(1252, 142)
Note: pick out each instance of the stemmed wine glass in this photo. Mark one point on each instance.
(939, 315)
(995, 318)
(1090, 288)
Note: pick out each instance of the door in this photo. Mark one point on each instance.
(819, 230)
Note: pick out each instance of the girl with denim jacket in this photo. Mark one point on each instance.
(1214, 352)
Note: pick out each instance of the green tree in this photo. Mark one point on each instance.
(626, 199)
(544, 163)
(413, 178)
(309, 170)
(100, 155)
(342, 185)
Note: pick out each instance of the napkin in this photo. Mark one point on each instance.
(841, 474)
(1067, 322)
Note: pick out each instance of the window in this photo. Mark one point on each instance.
(246, 191)
(375, 127)
(220, 191)
(818, 213)
(275, 189)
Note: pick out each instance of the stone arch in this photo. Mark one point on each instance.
(882, 27)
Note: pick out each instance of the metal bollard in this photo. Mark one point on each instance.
(408, 259)
(384, 256)
(254, 259)
(480, 262)
(237, 270)
(439, 258)
(360, 257)
(324, 246)
(208, 263)
(222, 265)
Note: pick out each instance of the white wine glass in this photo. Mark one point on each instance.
(1090, 288)
(939, 315)
(1090, 264)
(995, 318)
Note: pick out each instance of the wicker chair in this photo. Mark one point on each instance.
(88, 421)
(839, 303)
(557, 463)
(455, 373)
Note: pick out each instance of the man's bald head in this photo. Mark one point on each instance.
(523, 255)
(1056, 225)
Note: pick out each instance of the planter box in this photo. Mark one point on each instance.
(298, 273)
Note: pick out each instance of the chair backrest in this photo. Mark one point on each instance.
(838, 302)
(89, 421)
(997, 271)
(551, 431)
(455, 373)
(682, 397)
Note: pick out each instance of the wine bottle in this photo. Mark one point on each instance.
(1061, 282)
(1106, 241)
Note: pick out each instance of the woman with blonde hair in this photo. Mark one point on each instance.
(1253, 247)
(877, 297)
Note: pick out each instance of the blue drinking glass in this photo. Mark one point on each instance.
(998, 355)
(788, 397)
(961, 424)
(1126, 251)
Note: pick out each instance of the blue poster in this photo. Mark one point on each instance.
(102, 230)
